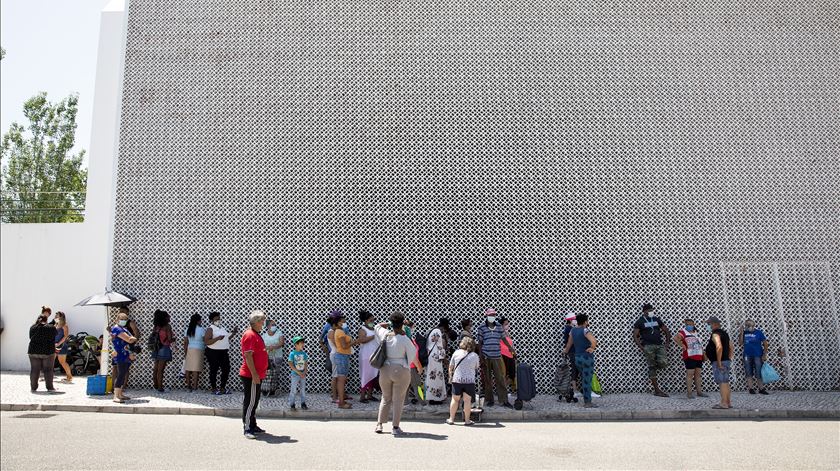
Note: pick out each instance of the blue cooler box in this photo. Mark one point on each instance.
(96, 385)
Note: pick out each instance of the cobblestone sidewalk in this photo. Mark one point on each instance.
(15, 395)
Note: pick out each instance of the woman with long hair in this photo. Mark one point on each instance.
(194, 348)
(62, 347)
(162, 339)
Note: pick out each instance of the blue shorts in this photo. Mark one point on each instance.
(752, 367)
(164, 354)
(341, 364)
(721, 374)
(64, 349)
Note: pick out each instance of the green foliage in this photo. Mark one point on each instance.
(41, 180)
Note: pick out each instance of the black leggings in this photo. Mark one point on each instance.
(218, 359)
(39, 364)
(250, 403)
(121, 373)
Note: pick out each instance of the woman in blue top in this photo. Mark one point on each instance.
(584, 343)
(755, 354)
(122, 340)
(194, 346)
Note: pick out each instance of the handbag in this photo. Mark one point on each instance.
(596, 385)
(378, 357)
(769, 374)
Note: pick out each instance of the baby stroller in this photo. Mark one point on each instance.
(87, 360)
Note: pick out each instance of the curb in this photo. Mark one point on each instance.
(492, 416)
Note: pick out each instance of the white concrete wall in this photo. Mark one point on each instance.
(59, 264)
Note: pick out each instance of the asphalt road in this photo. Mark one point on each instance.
(72, 440)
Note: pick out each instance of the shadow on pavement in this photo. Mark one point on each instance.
(274, 439)
(488, 425)
(427, 436)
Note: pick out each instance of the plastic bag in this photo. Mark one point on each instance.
(596, 385)
(769, 374)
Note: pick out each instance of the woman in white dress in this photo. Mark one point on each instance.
(435, 376)
(367, 373)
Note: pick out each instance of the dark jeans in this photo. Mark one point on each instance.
(250, 403)
(586, 366)
(41, 364)
(120, 374)
(218, 359)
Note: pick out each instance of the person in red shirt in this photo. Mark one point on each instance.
(692, 355)
(252, 371)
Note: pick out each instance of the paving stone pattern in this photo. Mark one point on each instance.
(16, 396)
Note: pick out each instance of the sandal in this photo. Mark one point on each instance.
(450, 422)
(470, 423)
(378, 428)
(718, 406)
(345, 406)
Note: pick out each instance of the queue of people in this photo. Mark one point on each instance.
(424, 369)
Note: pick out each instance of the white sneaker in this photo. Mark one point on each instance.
(595, 394)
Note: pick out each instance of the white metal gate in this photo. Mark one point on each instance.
(794, 304)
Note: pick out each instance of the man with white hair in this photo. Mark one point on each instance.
(252, 371)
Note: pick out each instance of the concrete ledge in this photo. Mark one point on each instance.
(196, 411)
(577, 414)
(646, 414)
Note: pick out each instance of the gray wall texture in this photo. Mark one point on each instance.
(441, 157)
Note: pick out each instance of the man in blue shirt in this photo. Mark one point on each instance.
(755, 354)
(489, 338)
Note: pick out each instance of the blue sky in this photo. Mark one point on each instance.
(50, 46)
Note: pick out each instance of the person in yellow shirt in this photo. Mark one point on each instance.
(343, 349)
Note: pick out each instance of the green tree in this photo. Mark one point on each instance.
(42, 181)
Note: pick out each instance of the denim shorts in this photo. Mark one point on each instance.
(721, 374)
(752, 367)
(341, 364)
(164, 354)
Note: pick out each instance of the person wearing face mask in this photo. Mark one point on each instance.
(194, 348)
(755, 355)
(41, 350)
(647, 333)
(274, 342)
(489, 338)
(252, 372)
(508, 354)
(217, 339)
(122, 341)
(343, 343)
(692, 354)
(436, 347)
(368, 375)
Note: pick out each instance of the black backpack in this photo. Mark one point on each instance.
(423, 354)
(153, 343)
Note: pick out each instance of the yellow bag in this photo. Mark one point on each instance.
(109, 385)
(596, 385)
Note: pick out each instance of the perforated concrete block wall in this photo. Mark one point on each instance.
(442, 157)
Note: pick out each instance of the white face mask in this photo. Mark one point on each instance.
(491, 319)
(217, 323)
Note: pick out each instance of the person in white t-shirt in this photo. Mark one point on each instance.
(462, 369)
(217, 339)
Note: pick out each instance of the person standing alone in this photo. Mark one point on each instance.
(252, 372)
(647, 333)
